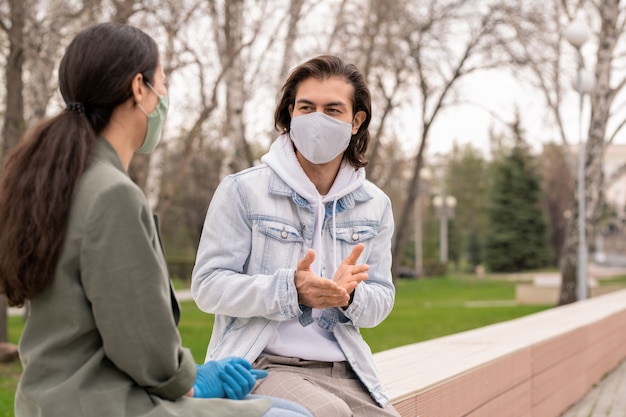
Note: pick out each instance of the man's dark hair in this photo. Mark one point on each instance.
(321, 68)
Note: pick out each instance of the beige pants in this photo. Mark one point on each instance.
(327, 389)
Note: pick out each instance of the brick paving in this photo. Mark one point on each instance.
(606, 399)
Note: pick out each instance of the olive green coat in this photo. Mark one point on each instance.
(102, 339)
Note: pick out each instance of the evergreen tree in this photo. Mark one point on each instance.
(474, 250)
(468, 180)
(517, 233)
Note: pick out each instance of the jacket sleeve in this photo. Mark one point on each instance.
(219, 282)
(125, 278)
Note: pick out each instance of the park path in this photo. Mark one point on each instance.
(606, 399)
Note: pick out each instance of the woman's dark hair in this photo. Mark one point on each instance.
(41, 172)
(321, 68)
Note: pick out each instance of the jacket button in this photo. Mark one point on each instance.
(355, 236)
(283, 234)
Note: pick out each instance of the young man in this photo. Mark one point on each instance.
(295, 254)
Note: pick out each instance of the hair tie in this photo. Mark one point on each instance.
(77, 107)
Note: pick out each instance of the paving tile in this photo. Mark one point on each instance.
(606, 399)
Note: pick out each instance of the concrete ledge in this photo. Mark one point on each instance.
(538, 365)
(529, 294)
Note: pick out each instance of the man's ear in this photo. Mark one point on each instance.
(358, 120)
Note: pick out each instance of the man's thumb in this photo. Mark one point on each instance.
(307, 260)
(354, 255)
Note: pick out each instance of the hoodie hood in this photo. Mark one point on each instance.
(281, 158)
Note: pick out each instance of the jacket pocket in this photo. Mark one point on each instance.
(276, 245)
(280, 231)
(354, 234)
(349, 235)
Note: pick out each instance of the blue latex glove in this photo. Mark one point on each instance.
(259, 373)
(208, 382)
(239, 378)
(231, 377)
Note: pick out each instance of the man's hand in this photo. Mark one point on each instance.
(349, 274)
(317, 292)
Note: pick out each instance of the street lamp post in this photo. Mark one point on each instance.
(576, 34)
(445, 209)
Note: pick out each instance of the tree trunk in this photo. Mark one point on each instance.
(402, 231)
(230, 45)
(295, 13)
(569, 259)
(4, 323)
(14, 114)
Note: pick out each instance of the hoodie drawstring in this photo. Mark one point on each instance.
(335, 235)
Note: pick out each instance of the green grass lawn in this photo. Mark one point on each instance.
(431, 308)
(424, 309)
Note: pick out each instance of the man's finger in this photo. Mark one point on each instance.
(354, 255)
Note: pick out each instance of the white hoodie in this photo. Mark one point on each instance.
(292, 339)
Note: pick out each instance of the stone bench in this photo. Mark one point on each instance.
(537, 365)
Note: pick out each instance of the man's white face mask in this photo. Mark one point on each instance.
(319, 137)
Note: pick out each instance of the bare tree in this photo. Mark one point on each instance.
(235, 38)
(221, 64)
(180, 55)
(14, 27)
(293, 17)
(190, 140)
(377, 46)
(14, 124)
(123, 11)
(612, 19)
(539, 51)
(441, 57)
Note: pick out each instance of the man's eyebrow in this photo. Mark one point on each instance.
(330, 104)
(335, 104)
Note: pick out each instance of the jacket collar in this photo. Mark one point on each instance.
(279, 187)
(106, 153)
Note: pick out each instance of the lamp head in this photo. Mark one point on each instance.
(576, 33)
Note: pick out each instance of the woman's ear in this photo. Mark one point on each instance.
(357, 121)
(137, 88)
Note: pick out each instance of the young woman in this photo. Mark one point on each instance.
(79, 241)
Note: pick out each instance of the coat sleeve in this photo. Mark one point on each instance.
(125, 278)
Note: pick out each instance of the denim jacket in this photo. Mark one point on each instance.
(256, 230)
